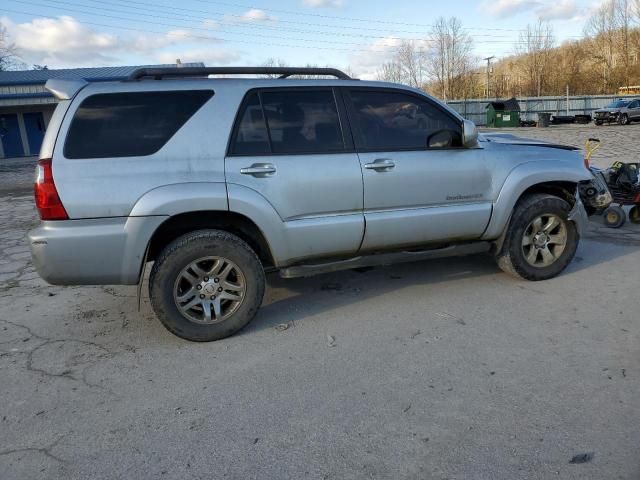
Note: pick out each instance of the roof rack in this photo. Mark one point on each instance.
(284, 72)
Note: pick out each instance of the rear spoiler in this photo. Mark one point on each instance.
(65, 89)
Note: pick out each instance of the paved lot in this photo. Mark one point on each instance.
(16, 175)
(440, 370)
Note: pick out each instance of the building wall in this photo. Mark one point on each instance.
(20, 110)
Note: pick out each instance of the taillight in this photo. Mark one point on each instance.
(586, 163)
(47, 200)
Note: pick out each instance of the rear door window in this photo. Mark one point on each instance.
(286, 121)
(252, 137)
(130, 124)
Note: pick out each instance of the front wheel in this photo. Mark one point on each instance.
(624, 119)
(541, 240)
(206, 285)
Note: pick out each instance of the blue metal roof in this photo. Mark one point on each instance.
(99, 74)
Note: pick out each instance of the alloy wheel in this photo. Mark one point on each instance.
(544, 240)
(209, 290)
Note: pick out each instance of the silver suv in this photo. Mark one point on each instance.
(217, 180)
(623, 111)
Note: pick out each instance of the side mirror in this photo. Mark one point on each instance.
(469, 134)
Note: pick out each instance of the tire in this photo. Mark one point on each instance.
(634, 214)
(598, 122)
(229, 266)
(560, 242)
(624, 119)
(614, 217)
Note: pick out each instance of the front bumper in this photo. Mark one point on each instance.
(106, 251)
(606, 116)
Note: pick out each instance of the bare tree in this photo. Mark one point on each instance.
(535, 45)
(8, 53)
(405, 65)
(390, 72)
(274, 62)
(601, 27)
(450, 60)
(623, 18)
(409, 58)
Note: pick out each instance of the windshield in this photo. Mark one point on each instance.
(618, 104)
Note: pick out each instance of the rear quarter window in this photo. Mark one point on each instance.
(130, 124)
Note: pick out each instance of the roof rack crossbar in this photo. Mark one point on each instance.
(284, 72)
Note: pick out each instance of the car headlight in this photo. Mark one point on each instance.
(614, 113)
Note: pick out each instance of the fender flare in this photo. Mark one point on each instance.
(179, 198)
(524, 177)
(170, 200)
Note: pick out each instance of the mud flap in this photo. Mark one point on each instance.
(144, 266)
(578, 214)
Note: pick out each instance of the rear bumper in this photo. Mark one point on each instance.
(107, 251)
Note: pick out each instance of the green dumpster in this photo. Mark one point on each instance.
(503, 113)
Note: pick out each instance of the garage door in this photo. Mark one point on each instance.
(10, 136)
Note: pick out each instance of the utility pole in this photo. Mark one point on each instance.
(420, 67)
(488, 59)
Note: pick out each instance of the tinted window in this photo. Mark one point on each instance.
(302, 121)
(130, 124)
(394, 120)
(618, 104)
(251, 137)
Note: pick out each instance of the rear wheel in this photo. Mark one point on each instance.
(634, 214)
(206, 285)
(541, 240)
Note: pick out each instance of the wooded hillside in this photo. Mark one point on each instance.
(605, 58)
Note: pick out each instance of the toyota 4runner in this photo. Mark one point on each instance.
(217, 180)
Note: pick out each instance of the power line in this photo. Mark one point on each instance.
(336, 17)
(173, 25)
(242, 23)
(197, 37)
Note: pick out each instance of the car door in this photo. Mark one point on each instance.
(634, 110)
(420, 185)
(290, 145)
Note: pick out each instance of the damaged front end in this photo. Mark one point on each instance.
(594, 193)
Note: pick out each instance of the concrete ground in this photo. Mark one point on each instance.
(17, 174)
(447, 369)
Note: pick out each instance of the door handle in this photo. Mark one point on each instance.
(380, 165)
(259, 170)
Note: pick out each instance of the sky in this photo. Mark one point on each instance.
(354, 34)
